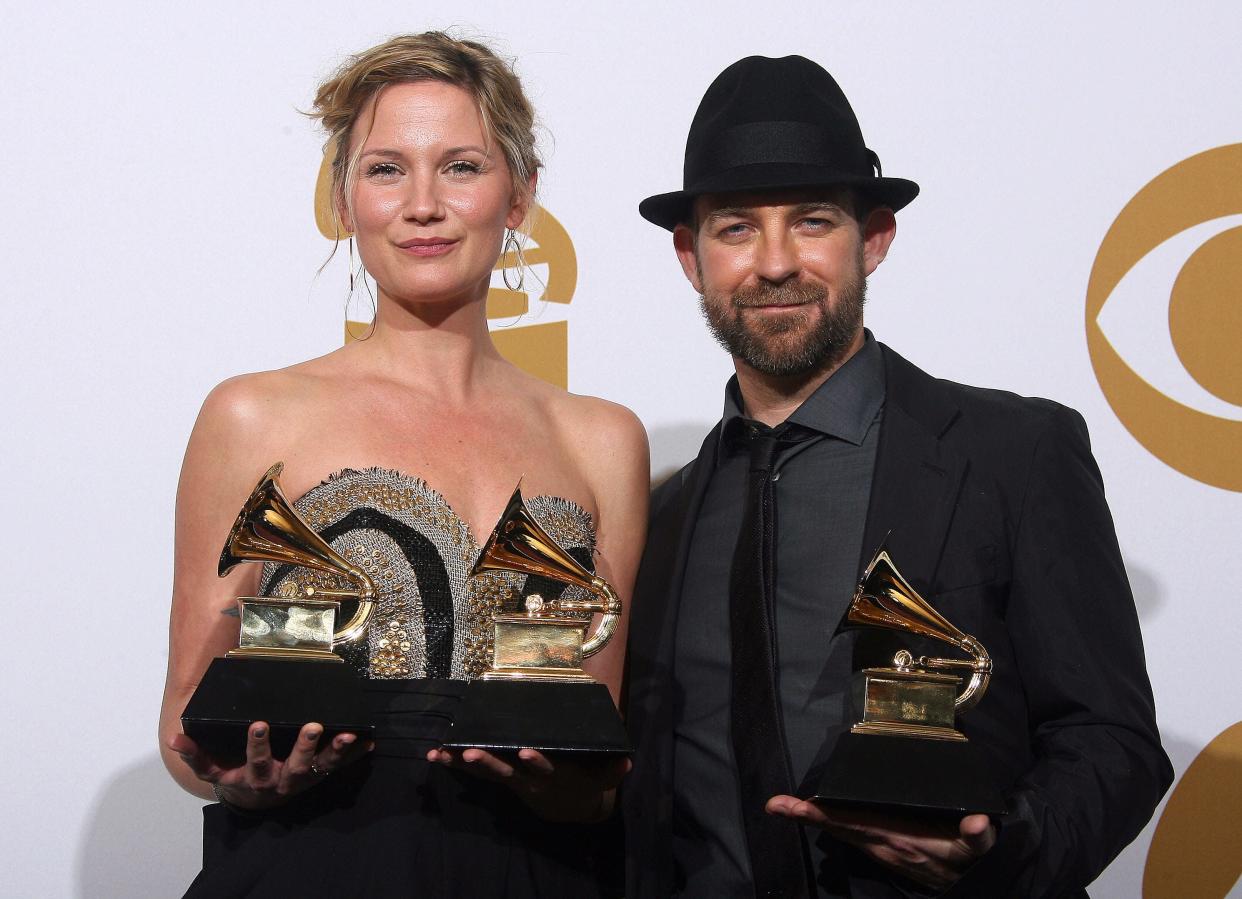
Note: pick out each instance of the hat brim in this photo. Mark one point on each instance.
(671, 209)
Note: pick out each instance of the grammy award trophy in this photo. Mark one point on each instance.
(284, 670)
(536, 694)
(905, 752)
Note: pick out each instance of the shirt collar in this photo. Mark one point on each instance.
(844, 406)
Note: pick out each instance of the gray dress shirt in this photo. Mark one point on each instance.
(822, 487)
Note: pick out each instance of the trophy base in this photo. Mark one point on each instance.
(904, 775)
(543, 675)
(297, 654)
(550, 716)
(238, 691)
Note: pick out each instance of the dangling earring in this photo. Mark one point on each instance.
(360, 274)
(351, 275)
(513, 246)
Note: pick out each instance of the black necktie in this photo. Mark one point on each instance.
(775, 843)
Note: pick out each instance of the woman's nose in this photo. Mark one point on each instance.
(422, 202)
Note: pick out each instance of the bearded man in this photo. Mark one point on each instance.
(993, 509)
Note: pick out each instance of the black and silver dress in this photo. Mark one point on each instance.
(391, 824)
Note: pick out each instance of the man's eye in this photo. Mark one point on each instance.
(817, 223)
(735, 230)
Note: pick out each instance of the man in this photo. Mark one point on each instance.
(993, 510)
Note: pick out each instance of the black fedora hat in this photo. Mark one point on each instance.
(767, 124)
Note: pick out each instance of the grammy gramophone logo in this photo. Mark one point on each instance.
(1173, 261)
(552, 275)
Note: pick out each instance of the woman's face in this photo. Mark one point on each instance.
(432, 195)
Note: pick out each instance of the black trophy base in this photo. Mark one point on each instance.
(907, 775)
(237, 692)
(508, 715)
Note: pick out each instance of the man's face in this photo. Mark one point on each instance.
(782, 275)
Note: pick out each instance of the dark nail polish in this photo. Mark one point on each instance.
(312, 735)
(260, 733)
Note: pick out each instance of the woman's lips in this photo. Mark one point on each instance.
(427, 246)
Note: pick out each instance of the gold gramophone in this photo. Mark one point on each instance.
(906, 751)
(274, 674)
(536, 694)
(909, 699)
(269, 529)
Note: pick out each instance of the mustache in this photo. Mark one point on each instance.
(788, 293)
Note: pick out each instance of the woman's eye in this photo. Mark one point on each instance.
(383, 170)
(463, 167)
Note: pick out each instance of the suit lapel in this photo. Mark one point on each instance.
(648, 793)
(917, 478)
(670, 537)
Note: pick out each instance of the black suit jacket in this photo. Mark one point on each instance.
(997, 516)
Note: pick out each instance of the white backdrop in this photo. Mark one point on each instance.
(156, 187)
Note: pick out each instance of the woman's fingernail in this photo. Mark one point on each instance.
(260, 733)
(312, 735)
(346, 739)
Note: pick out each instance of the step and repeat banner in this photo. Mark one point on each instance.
(1079, 237)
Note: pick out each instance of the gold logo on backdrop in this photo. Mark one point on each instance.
(540, 349)
(1197, 847)
(1205, 315)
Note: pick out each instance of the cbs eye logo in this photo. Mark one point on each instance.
(551, 268)
(1164, 317)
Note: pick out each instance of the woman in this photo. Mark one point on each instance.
(424, 422)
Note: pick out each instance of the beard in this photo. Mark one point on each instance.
(815, 337)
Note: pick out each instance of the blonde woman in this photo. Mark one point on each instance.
(403, 449)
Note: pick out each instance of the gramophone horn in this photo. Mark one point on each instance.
(269, 529)
(520, 544)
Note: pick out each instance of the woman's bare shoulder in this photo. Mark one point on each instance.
(590, 415)
(261, 399)
(246, 418)
(606, 436)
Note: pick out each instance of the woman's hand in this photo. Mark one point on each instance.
(264, 782)
(567, 789)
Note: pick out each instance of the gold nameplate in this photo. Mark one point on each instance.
(908, 704)
(538, 643)
(273, 627)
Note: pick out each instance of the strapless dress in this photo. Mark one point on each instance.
(391, 824)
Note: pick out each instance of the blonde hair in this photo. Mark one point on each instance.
(508, 117)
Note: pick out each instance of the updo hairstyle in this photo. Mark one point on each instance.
(508, 117)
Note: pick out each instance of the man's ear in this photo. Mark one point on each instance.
(878, 232)
(684, 243)
(521, 202)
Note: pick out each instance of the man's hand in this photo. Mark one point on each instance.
(560, 789)
(927, 853)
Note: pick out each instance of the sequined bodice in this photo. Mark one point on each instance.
(431, 620)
